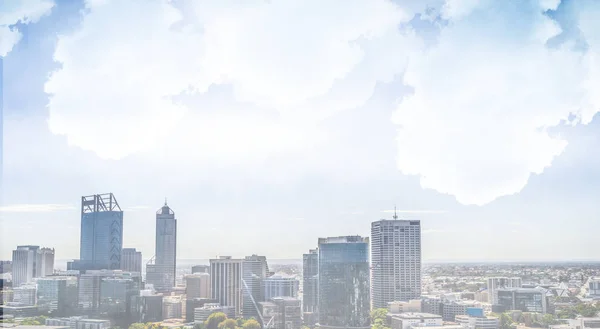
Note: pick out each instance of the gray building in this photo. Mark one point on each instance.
(131, 260)
(197, 285)
(280, 286)
(226, 282)
(162, 273)
(523, 299)
(500, 282)
(282, 313)
(396, 261)
(344, 289)
(310, 281)
(57, 295)
(254, 271)
(101, 232)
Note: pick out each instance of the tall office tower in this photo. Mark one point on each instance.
(310, 281)
(344, 289)
(254, 271)
(226, 282)
(47, 261)
(101, 232)
(500, 282)
(131, 260)
(26, 264)
(162, 273)
(396, 261)
(197, 285)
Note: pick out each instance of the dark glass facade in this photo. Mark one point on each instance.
(101, 233)
(344, 287)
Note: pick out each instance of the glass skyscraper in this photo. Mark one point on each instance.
(344, 288)
(101, 232)
(162, 273)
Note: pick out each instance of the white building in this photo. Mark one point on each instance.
(26, 264)
(226, 282)
(172, 307)
(197, 285)
(413, 306)
(396, 261)
(495, 283)
(472, 322)
(410, 320)
(202, 313)
(25, 295)
(280, 286)
(79, 322)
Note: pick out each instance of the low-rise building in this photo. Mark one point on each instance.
(410, 320)
(477, 322)
(79, 322)
(413, 306)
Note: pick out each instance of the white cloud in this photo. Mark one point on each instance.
(34, 208)
(22, 11)
(477, 124)
(119, 74)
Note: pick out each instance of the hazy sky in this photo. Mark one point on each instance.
(268, 124)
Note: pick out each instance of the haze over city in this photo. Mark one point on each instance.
(478, 118)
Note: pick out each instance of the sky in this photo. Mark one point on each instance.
(268, 124)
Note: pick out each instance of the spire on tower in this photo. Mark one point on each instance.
(395, 216)
(165, 201)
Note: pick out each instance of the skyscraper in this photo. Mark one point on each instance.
(344, 289)
(46, 261)
(396, 261)
(101, 232)
(162, 273)
(131, 260)
(255, 269)
(27, 263)
(310, 281)
(226, 282)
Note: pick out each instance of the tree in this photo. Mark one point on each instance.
(379, 313)
(251, 324)
(228, 324)
(506, 321)
(214, 320)
(241, 321)
(137, 325)
(199, 326)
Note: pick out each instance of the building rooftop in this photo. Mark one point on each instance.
(416, 315)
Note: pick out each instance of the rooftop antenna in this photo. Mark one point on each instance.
(395, 216)
(165, 201)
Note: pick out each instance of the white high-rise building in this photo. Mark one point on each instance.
(226, 282)
(395, 261)
(495, 283)
(29, 262)
(46, 261)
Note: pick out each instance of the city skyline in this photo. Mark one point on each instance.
(409, 112)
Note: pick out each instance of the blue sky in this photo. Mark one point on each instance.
(265, 132)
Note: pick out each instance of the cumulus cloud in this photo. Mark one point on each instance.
(113, 94)
(484, 98)
(24, 12)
